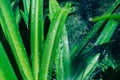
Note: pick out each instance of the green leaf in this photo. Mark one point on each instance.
(17, 15)
(77, 48)
(11, 31)
(36, 35)
(25, 17)
(57, 22)
(105, 17)
(62, 58)
(63, 66)
(26, 5)
(15, 8)
(6, 70)
(107, 32)
(92, 62)
(53, 7)
(105, 35)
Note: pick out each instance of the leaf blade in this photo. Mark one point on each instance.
(58, 21)
(10, 29)
(36, 35)
(107, 32)
(77, 48)
(6, 72)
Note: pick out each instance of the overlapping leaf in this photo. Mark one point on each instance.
(10, 29)
(6, 70)
(52, 40)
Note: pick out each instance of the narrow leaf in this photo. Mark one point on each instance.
(107, 32)
(15, 8)
(105, 17)
(57, 21)
(36, 35)
(13, 37)
(63, 66)
(25, 17)
(90, 67)
(77, 48)
(62, 58)
(26, 5)
(6, 70)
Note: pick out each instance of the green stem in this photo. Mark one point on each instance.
(36, 35)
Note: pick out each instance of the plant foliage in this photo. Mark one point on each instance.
(50, 55)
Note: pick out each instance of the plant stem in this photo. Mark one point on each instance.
(36, 35)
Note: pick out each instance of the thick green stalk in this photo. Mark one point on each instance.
(36, 35)
(11, 31)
